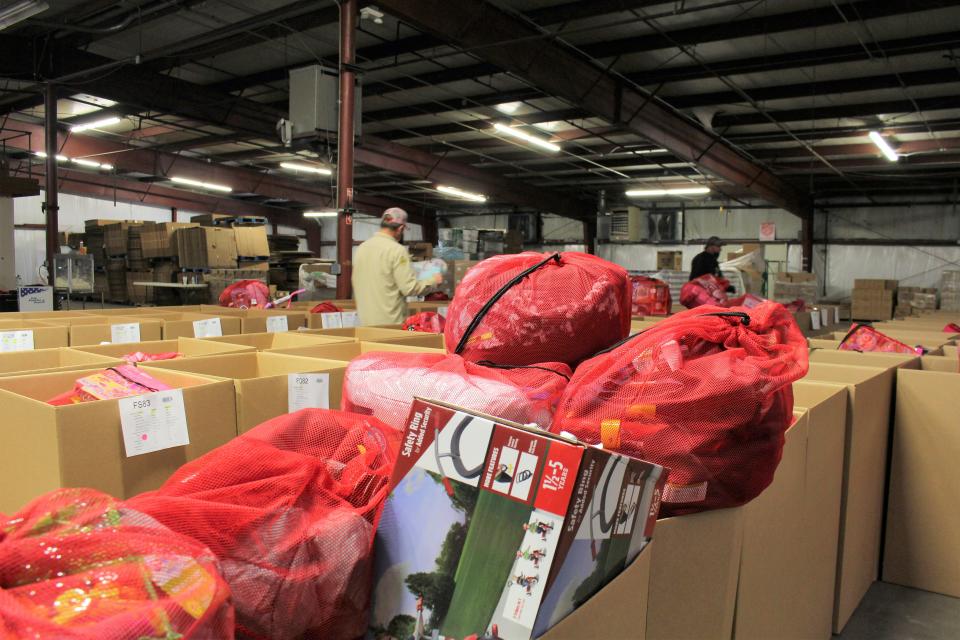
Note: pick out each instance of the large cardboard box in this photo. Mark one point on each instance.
(873, 359)
(23, 335)
(194, 325)
(117, 329)
(186, 347)
(866, 283)
(864, 477)
(115, 236)
(670, 260)
(347, 351)
(159, 238)
(945, 364)
(274, 341)
(16, 363)
(252, 242)
(694, 570)
(822, 344)
(923, 522)
(263, 381)
(207, 248)
(377, 334)
(272, 320)
(47, 447)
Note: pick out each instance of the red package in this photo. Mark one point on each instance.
(529, 307)
(706, 392)
(863, 337)
(425, 321)
(326, 307)
(289, 508)
(384, 384)
(706, 289)
(75, 564)
(245, 294)
(651, 297)
(952, 327)
(140, 356)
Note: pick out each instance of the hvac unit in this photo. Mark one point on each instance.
(627, 225)
(314, 97)
(665, 225)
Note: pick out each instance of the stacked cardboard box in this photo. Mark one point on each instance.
(790, 286)
(671, 260)
(207, 248)
(139, 294)
(116, 236)
(915, 300)
(117, 279)
(873, 299)
(159, 240)
(950, 291)
(252, 245)
(135, 257)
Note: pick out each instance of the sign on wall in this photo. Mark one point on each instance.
(768, 232)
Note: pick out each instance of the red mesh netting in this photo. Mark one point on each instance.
(77, 565)
(707, 395)
(651, 297)
(289, 508)
(383, 384)
(245, 294)
(326, 307)
(567, 309)
(425, 321)
(706, 289)
(863, 337)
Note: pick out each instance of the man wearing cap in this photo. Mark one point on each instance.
(382, 275)
(706, 262)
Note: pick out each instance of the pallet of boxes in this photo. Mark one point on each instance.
(223, 250)
(915, 301)
(950, 291)
(93, 239)
(160, 249)
(116, 243)
(873, 299)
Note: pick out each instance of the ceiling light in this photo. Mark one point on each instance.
(372, 13)
(86, 163)
(508, 107)
(643, 152)
(306, 168)
(884, 146)
(106, 167)
(320, 214)
(526, 137)
(40, 154)
(201, 185)
(20, 11)
(464, 195)
(96, 124)
(682, 191)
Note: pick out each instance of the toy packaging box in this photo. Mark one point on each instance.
(496, 530)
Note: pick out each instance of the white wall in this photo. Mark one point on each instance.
(740, 224)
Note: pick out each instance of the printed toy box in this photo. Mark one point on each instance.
(495, 530)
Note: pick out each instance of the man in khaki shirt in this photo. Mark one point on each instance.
(382, 275)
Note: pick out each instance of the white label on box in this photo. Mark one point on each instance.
(331, 320)
(129, 332)
(277, 324)
(16, 340)
(825, 317)
(836, 315)
(349, 319)
(209, 328)
(815, 319)
(308, 391)
(153, 422)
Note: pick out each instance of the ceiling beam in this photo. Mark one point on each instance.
(851, 131)
(506, 41)
(482, 124)
(865, 149)
(824, 112)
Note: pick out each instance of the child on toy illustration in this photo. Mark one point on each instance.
(526, 582)
(534, 556)
(540, 527)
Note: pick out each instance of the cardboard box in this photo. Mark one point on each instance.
(186, 347)
(273, 341)
(211, 219)
(47, 447)
(115, 236)
(872, 310)
(864, 477)
(258, 321)
(347, 351)
(694, 570)
(670, 260)
(378, 334)
(869, 283)
(525, 522)
(944, 364)
(115, 329)
(262, 381)
(159, 238)
(252, 242)
(873, 359)
(923, 523)
(23, 335)
(184, 325)
(207, 248)
(822, 344)
(16, 363)
(139, 295)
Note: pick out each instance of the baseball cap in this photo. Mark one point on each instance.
(393, 217)
(714, 241)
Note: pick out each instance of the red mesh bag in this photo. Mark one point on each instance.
(706, 289)
(748, 300)
(436, 296)
(651, 297)
(77, 565)
(706, 392)
(383, 384)
(326, 307)
(952, 327)
(245, 294)
(425, 321)
(863, 337)
(529, 307)
(289, 509)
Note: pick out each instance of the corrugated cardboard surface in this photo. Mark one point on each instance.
(45, 335)
(273, 341)
(377, 334)
(159, 240)
(93, 334)
(15, 363)
(945, 364)
(251, 241)
(865, 465)
(181, 325)
(47, 447)
(694, 569)
(187, 347)
(347, 351)
(855, 358)
(255, 321)
(923, 521)
(207, 248)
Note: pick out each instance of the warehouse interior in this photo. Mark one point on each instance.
(816, 142)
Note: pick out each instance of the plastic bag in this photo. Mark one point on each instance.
(863, 337)
(952, 327)
(140, 356)
(425, 321)
(245, 294)
(651, 297)
(706, 392)
(706, 289)
(326, 307)
(384, 384)
(529, 307)
(121, 381)
(75, 564)
(289, 508)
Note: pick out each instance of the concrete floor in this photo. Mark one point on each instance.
(891, 612)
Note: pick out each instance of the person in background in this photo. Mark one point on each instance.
(382, 275)
(707, 263)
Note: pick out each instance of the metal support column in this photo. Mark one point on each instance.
(173, 214)
(590, 235)
(348, 28)
(51, 206)
(806, 241)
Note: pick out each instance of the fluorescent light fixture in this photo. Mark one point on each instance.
(201, 185)
(643, 152)
(43, 154)
(96, 124)
(20, 11)
(86, 163)
(526, 137)
(508, 107)
(884, 146)
(106, 167)
(681, 191)
(320, 214)
(306, 168)
(463, 195)
(63, 159)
